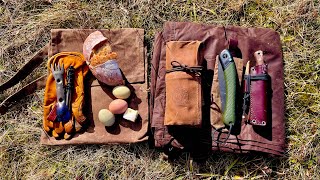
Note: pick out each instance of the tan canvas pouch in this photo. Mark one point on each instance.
(183, 83)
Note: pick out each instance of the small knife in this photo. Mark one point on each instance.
(246, 94)
(230, 81)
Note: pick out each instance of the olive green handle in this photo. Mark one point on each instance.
(230, 75)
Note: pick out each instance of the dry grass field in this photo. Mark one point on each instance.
(25, 27)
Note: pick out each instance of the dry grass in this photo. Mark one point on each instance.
(25, 28)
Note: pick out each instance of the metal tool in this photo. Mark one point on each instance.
(228, 87)
(69, 126)
(63, 113)
(70, 86)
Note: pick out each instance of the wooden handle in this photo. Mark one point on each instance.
(259, 57)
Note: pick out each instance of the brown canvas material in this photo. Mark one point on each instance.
(269, 139)
(183, 89)
(128, 43)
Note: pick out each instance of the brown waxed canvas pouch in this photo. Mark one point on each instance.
(183, 86)
(129, 45)
(268, 139)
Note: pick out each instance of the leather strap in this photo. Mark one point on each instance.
(22, 73)
(177, 66)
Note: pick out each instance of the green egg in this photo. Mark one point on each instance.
(106, 117)
(121, 92)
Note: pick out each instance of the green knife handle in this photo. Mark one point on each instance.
(229, 114)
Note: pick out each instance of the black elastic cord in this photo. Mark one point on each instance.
(69, 86)
(264, 77)
(176, 66)
(246, 95)
(70, 78)
(219, 130)
(246, 99)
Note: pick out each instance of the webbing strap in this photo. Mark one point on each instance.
(263, 77)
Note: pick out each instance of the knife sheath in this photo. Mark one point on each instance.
(259, 79)
(183, 83)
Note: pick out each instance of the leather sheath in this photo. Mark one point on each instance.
(183, 88)
(259, 95)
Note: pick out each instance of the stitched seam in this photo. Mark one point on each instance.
(252, 117)
(198, 99)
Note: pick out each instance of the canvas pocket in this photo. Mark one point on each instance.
(183, 83)
(183, 99)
